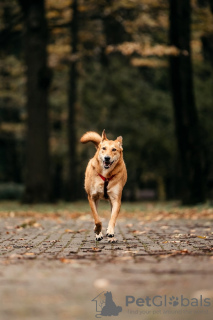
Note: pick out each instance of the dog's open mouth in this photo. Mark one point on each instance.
(107, 164)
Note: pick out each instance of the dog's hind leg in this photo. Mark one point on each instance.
(98, 224)
(116, 204)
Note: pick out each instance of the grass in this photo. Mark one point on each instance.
(143, 210)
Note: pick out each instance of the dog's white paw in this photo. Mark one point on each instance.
(110, 232)
(112, 240)
(99, 236)
(110, 235)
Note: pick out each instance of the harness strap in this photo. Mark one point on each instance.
(106, 182)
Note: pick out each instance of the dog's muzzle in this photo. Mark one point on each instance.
(107, 162)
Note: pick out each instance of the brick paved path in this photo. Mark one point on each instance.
(52, 269)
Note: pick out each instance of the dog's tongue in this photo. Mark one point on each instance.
(106, 164)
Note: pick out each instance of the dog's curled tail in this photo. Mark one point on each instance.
(91, 136)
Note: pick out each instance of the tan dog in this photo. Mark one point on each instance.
(105, 178)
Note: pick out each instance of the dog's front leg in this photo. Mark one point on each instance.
(98, 224)
(116, 204)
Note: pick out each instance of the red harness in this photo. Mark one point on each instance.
(106, 182)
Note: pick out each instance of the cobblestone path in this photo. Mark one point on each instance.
(53, 268)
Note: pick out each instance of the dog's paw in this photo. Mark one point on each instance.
(112, 240)
(99, 236)
(110, 235)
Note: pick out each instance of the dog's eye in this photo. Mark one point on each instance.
(113, 149)
(103, 148)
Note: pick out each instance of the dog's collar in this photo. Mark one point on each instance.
(106, 181)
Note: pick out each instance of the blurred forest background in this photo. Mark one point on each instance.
(138, 68)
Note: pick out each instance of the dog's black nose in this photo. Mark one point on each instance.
(107, 158)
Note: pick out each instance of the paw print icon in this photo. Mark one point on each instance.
(173, 301)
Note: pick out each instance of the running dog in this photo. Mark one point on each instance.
(105, 178)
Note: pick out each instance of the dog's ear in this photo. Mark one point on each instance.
(120, 139)
(104, 137)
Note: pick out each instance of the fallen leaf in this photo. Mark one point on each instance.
(15, 256)
(64, 260)
(164, 256)
(85, 217)
(70, 231)
(82, 230)
(95, 249)
(180, 252)
(201, 237)
(12, 214)
(137, 232)
(36, 225)
(29, 223)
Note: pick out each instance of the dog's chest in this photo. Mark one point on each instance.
(97, 190)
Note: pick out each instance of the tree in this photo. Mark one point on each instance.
(185, 113)
(72, 100)
(38, 81)
(211, 5)
(121, 69)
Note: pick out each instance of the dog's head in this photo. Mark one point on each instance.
(109, 151)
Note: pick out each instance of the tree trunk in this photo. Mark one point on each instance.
(38, 81)
(185, 113)
(207, 41)
(211, 5)
(72, 99)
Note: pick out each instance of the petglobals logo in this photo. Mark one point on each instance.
(164, 301)
(105, 306)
